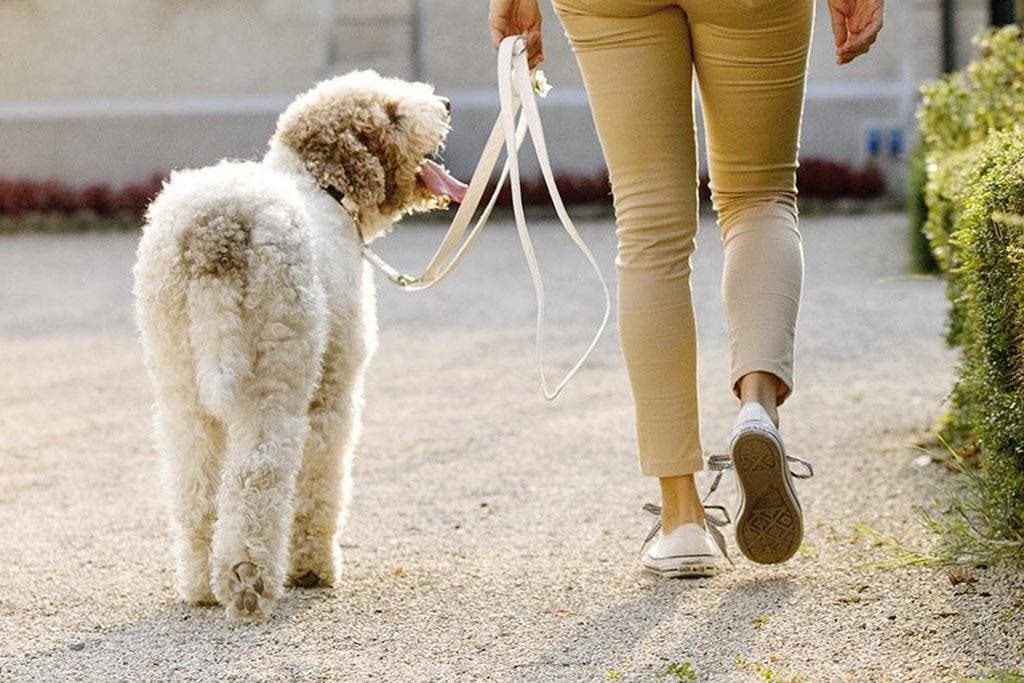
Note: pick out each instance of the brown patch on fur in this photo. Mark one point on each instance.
(217, 246)
(336, 156)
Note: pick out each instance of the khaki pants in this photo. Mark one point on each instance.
(637, 59)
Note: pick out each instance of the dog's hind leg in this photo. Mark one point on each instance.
(189, 440)
(325, 480)
(191, 443)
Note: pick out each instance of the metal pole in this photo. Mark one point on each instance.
(948, 36)
(1001, 12)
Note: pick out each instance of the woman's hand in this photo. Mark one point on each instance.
(512, 17)
(855, 24)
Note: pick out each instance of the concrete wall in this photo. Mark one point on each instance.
(114, 91)
(377, 34)
(62, 49)
(89, 91)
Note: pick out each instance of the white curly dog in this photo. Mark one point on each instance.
(257, 317)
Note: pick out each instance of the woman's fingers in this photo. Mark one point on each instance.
(838, 27)
(849, 54)
(865, 37)
(496, 36)
(500, 20)
(860, 41)
(534, 45)
(856, 48)
(508, 18)
(534, 48)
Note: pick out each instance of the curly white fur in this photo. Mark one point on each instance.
(257, 318)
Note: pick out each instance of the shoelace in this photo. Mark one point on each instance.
(720, 463)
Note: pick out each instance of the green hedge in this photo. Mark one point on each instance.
(972, 127)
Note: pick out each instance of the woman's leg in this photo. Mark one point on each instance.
(751, 65)
(634, 56)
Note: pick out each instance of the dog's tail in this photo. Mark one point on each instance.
(253, 305)
(215, 250)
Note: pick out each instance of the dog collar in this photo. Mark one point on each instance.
(339, 197)
(336, 194)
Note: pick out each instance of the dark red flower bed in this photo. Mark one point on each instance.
(22, 196)
(817, 178)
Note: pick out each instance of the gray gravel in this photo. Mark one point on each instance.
(494, 536)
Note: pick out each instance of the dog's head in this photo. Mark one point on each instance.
(371, 139)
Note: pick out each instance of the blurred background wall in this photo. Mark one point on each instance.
(112, 91)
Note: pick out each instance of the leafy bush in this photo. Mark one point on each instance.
(972, 123)
(964, 107)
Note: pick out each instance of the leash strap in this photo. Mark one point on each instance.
(515, 88)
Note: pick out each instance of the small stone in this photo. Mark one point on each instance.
(77, 646)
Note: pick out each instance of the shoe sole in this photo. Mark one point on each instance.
(687, 570)
(769, 527)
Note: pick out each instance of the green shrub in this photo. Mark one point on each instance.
(966, 106)
(973, 126)
(957, 113)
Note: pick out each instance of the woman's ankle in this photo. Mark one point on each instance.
(680, 502)
(764, 388)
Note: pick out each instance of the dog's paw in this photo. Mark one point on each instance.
(316, 569)
(196, 592)
(205, 599)
(307, 579)
(248, 596)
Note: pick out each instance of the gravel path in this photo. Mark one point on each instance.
(494, 536)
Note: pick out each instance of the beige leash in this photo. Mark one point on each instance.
(516, 89)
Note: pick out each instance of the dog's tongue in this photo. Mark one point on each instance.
(439, 181)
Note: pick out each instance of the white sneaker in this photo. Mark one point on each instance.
(769, 523)
(687, 552)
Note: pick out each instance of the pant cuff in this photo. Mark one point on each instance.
(674, 468)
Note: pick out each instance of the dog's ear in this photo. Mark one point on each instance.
(341, 160)
(358, 173)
